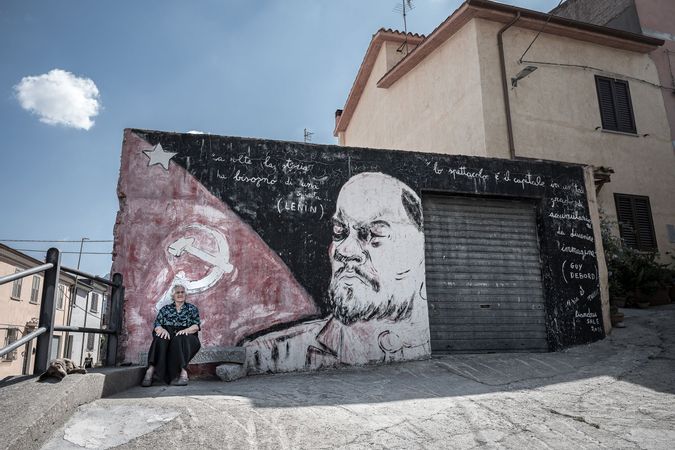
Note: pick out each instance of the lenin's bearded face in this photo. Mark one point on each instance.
(377, 253)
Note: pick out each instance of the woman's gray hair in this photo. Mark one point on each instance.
(173, 289)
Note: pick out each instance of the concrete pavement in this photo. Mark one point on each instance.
(31, 410)
(617, 393)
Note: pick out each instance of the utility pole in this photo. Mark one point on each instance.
(73, 298)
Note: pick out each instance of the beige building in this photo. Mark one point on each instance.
(581, 93)
(87, 311)
(20, 311)
(654, 18)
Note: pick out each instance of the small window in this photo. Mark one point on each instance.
(59, 296)
(56, 343)
(11, 336)
(634, 215)
(93, 307)
(616, 109)
(68, 351)
(16, 287)
(90, 341)
(35, 290)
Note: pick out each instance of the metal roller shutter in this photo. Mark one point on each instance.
(483, 275)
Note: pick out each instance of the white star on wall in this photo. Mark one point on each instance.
(158, 155)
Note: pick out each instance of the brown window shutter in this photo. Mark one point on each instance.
(635, 221)
(624, 109)
(606, 101)
(644, 224)
(616, 109)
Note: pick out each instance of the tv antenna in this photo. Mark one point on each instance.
(403, 8)
(308, 136)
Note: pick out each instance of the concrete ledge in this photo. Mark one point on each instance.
(235, 355)
(118, 379)
(31, 411)
(208, 355)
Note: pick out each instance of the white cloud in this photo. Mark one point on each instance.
(195, 132)
(60, 98)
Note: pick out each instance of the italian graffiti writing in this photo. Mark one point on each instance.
(300, 207)
(462, 172)
(254, 180)
(577, 251)
(569, 216)
(583, 236)
(576, 204)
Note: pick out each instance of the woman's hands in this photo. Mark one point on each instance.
(161, 332)
(189, 330)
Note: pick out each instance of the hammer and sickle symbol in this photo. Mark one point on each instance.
(220, 262)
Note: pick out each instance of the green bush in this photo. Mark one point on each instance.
(631, 272)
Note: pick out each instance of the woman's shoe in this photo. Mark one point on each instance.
(180, 381)
(147, 381)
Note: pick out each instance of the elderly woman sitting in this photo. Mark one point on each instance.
(175, 341)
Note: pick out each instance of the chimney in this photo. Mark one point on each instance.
(338, 114)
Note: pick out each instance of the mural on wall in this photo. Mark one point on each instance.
(171, 229)
(376, 292)
(313, 255)
(220, 262)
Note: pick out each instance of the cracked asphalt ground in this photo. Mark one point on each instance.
(617, 393)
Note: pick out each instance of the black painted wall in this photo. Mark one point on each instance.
(286, 191)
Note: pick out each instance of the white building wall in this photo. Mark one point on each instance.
(79, 347)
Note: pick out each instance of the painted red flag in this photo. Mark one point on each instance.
(238, 283)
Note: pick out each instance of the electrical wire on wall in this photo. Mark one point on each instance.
(585, 67)
(548, 19)
(597, 69)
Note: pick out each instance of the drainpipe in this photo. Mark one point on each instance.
(505, 89)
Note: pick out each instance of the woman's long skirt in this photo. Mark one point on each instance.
(169, 356)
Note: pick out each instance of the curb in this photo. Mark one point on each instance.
(31, 411)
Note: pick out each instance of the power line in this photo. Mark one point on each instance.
(597, 69)
(75, 305)
(52, 240)
(75, 253)
(548, 19)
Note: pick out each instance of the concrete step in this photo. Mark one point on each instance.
(32, 410)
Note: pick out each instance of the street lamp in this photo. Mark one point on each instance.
(522, 74)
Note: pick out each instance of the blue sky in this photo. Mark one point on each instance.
(265, 69)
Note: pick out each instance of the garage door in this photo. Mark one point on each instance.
(483, 275)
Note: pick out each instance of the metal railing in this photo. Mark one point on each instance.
(46, 327)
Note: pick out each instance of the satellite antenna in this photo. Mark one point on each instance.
(308, 136)
(403, 8)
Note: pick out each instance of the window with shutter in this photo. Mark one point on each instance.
(16, 287)
(11, 336)
(616, 109)
(68, 351)
(35, 289)
(634, 215)
(59, 297)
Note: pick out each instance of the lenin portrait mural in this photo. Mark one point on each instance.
(334, 276)
(313, 256)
